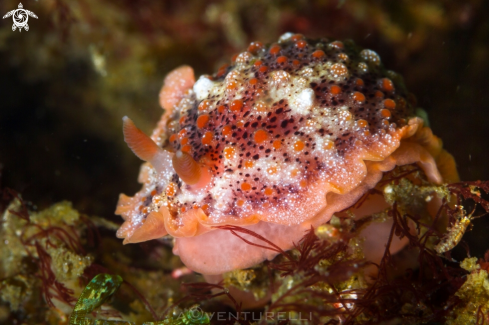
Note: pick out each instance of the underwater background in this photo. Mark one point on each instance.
(67, 82)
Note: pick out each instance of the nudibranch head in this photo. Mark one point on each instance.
(275, 142)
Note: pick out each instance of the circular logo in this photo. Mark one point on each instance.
(20, 17)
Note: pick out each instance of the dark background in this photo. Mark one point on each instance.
(66, 83)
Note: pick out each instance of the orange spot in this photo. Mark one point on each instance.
(182, 133)
(261, 106)
(379, 94)
(258, 63)
(281, 59)
(296, 62)
(153, 192)
(245, 186)
(221, 108)
(207, 138)
(236, 105)
(328, 145)
(183, 209)
(229, 152)
(263, 69)
(359, 82)
(182, 119)
(301, 44)
(362, 123)
(303, 183)
(240, 124)
(268, 191)
(231, 85)
(358, 96)
(318, 54)
(366, 133)
(227, 130)
(337, 44)
(335, 90)
(389, 103)
(274, 50)
(387, 85)
(277, 144)
(297, 37)
(173, 137)
(234, 57)
(202, 121)
(343, 56)
(294, 172)
(145, 210)
(298, 145)
(171, 189)
(385, 122)
(204, 105)
(205, 208)
(248, 164)
(186, 148)
(255, 46)
(385, 113)
(260, 92)
(240, 203)
(184, 141)
(261, 136)
(253, 81)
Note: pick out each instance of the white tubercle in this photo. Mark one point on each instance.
(302, 102)
(202, 87)
(285, 37)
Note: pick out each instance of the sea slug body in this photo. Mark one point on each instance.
(276, 142)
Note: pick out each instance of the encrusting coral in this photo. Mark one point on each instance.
(276, 142)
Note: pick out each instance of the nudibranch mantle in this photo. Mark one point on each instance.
(276, 142)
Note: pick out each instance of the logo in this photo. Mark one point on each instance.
(195, 313)
(20, 17)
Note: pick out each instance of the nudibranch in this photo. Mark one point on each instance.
(276, 142)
